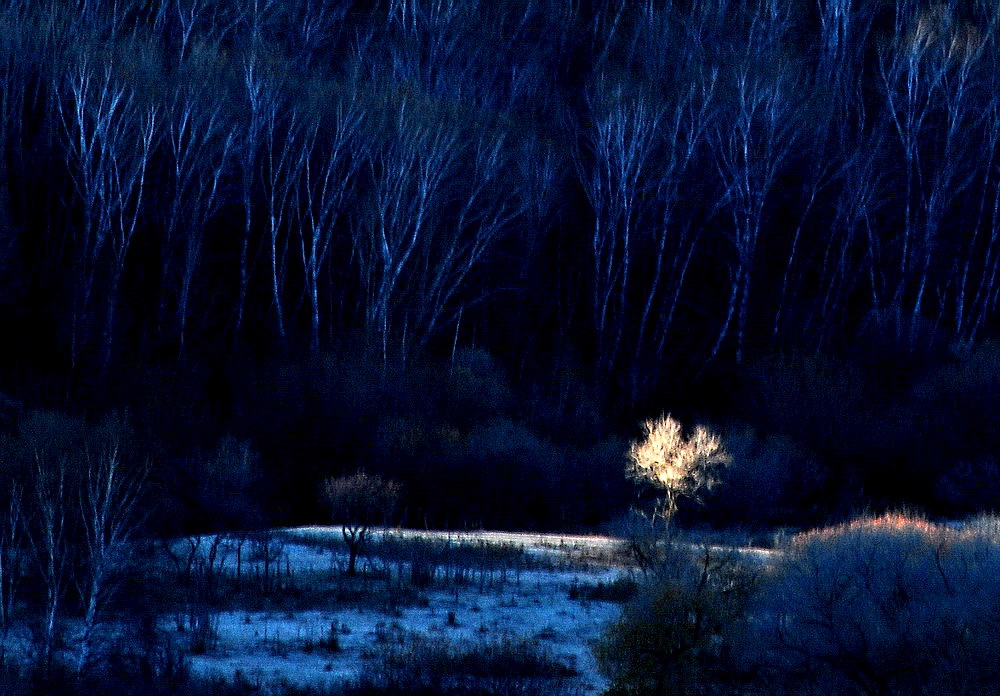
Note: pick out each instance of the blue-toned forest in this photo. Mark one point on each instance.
(467, 247)
(470, 245)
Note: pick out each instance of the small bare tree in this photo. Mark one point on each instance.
(358, 502)
(110, 499)
(48, 543)
(676, 464)
(11, 552)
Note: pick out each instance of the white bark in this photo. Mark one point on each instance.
(109, 498)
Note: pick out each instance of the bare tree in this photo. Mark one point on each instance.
(675, 464)
(845, 28)
(11, 560)
(110, 140)
(438, 206)
(111, 493)
(833, 134)
(612, 163)
(48, 540)
(13, 82)
(256, 17)
(977, 265)
(604, 24)
(249, 158)
(640, 154)
(358, 502)
(541, 167)
(410, 188)
(206, 20)
(285, 158)
(752, 142)
(188, 14)
(441, 201)
(329, 170)
(486, 209)
(200, 147)
(272, 156)
(317, 25)
(848, 256)
(91, 119)
(928, 77)
(674, 234)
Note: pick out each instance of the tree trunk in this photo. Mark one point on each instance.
(352, 561)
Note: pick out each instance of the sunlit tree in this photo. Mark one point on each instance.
(675, 464)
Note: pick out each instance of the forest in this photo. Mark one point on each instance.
(469, 245)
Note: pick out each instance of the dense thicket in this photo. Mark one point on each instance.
(430, 236)
(888, 605)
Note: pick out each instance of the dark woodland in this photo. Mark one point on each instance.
(468, 245)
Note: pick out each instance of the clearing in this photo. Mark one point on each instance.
(461, 589)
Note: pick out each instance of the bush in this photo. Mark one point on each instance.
(427, 560)
(619, 590)
(887, 605)
(773, 480)
(675, 636)
(404, 663)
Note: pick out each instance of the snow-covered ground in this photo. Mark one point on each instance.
(528, 598)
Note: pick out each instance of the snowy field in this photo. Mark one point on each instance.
(281, 610)
(534, 591)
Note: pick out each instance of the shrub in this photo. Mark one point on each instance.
(887, 605)
(329, 642)
(619, 590)
(675, 636)
(406, 663)
(521, 475)
(773, 480)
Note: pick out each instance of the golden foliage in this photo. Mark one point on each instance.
(679, 464)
